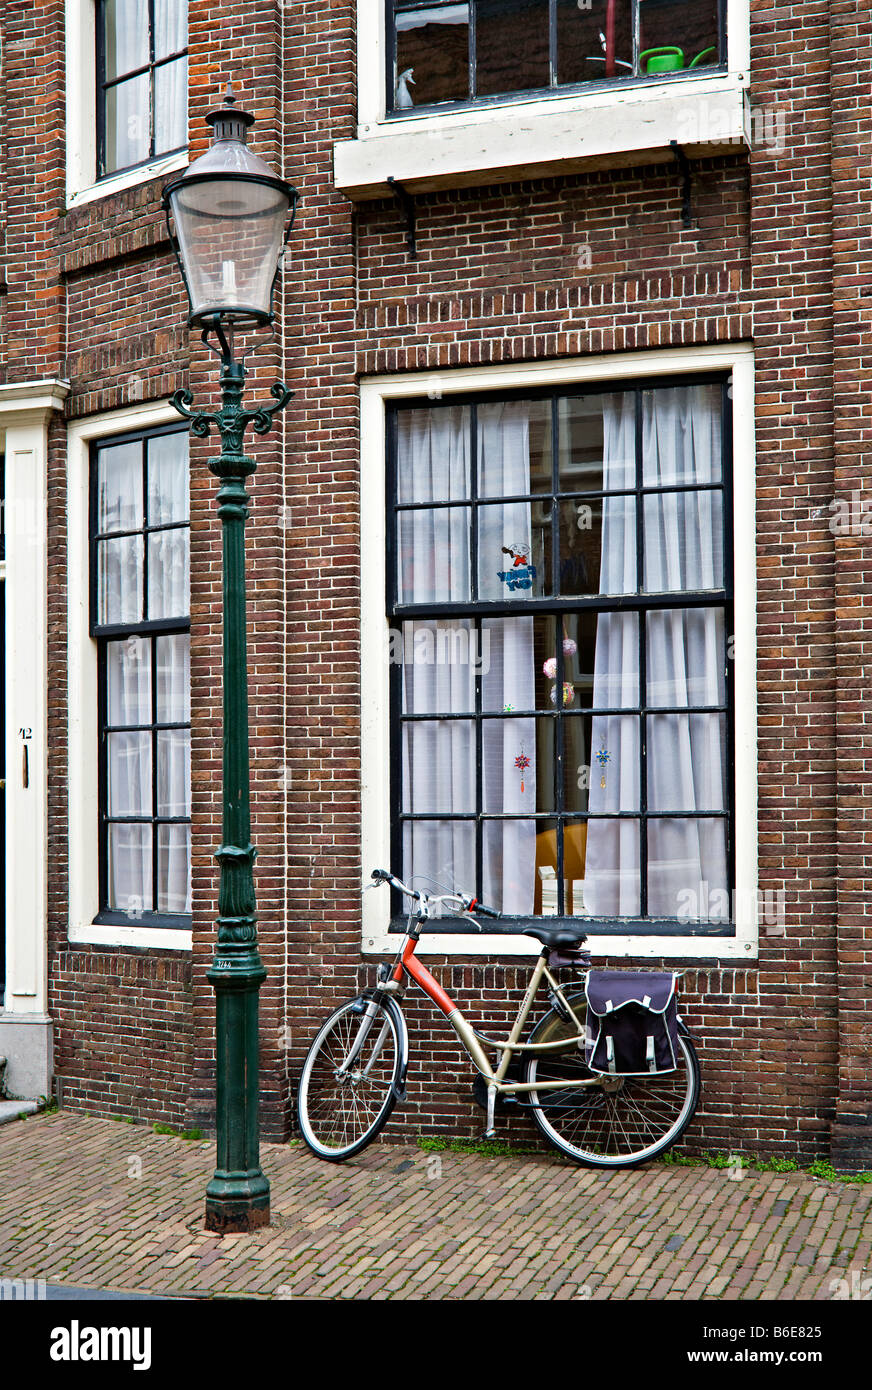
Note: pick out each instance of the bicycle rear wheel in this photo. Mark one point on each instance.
(350, 1079)
(622, 1120)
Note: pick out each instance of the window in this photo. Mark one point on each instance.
(442, 52)
(140, 616)
(560, 600)
(142, 81)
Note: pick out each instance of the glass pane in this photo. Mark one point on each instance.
(614, 764)
(597, 436)
(681, 36)
(684, 541)
(128, 681)
(129, 766)
(433, 448)
(439, 766)
(433, 555)
(129, 869)
(168, 574)
(687, 762)
(432, 61)
(615, 659)
(171, 106)
(119, 580)
(127, 124)
(173, 772)
(168, 479)
(170, 27)
(517, 765)
(612, 878)
(686, 657)
(583, 52)
(440, 853)
(584, 568)
(514, 550)
(579, 767)
(687, 868)
(514, 448)
(681, 435)
(126, 36)
(440, 660)
(119, 488)
(174, 868)
(513, 650)
(511, 38)
(174, 679)
(509, 852)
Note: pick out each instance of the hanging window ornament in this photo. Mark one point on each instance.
(508, 709)
(570, 646)
(603, 757)
(550, 668)
(568, 693)
(522, 762)
(521, 573)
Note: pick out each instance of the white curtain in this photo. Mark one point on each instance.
(128, 680)
(683, 549)
(439, 757)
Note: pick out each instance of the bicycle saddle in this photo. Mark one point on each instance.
(557, 937)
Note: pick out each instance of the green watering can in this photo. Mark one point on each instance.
(670, 59)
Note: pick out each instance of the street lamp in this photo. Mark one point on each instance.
(231, 217)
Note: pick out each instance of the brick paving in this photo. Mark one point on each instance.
(98, 1204)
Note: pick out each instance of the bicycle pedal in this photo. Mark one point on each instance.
(489, 1134)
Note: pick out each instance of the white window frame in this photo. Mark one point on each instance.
(81, 94)
(84, 789)
(375, 394)
(528, 135)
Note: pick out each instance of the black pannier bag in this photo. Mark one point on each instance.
(632, 1022)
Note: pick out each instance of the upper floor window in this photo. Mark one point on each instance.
(142, 81)
(140, 616)
(442, 52)
(560, 603)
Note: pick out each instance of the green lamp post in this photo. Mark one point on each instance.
(232, 217)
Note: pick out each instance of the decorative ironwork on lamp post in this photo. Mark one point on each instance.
(231, 219)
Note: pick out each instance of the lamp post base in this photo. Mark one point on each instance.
(237, 1203)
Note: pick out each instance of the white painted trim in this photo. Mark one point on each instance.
(375, 725)
(525, 136)
(81, 104)
(83, 792)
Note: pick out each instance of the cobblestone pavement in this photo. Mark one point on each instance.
(99, 1204)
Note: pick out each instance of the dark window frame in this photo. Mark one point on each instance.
(103, 87)
(554, 88)
(149, 630)
(555, 605)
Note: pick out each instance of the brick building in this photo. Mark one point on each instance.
(613, 308)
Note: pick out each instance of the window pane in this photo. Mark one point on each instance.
(168, 575)
(439, 766)
(584, 569)
(128, 681)
(128, 758)
(597, 437)
(614, 764)
(687, 35)
(433, 448)
(440, 852)
(687, 868)
(681, 435)
(129, 869)
(432, 62)
(514, 448)
(580, 769)
(511, 39)
(686, 657)
(119, 580)
(170, 27)
(127, 123)
(173, 772)
(512, 653)
(684, 541)
(440, 661)
(514, 550)
(509, 859)
(119, 487)
(173, 679)
(517, 765)
(171, 106)
(174, 868)
(168, 479)
(612, 879)
(615, 660)
(581, 40)
(687, 762)
(126, 36)
(433, 555)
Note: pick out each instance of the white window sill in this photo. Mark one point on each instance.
(146, 938)
(544, 137)
(526, 947)
(130, 178)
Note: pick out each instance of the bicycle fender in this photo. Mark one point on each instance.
(390, 1005)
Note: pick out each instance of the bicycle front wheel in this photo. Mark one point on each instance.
(350, 1079)
(621, 1120)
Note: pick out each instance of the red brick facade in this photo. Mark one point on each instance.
(778, 255)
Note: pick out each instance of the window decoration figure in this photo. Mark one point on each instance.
(603, 757)
(522, 573)
(522, 762)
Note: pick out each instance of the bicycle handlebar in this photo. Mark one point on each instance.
(467, 903)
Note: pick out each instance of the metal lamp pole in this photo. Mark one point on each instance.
(230, 226)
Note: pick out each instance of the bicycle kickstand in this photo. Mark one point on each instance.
(490, 1132)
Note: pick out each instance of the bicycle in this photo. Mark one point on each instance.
(355, 1070)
